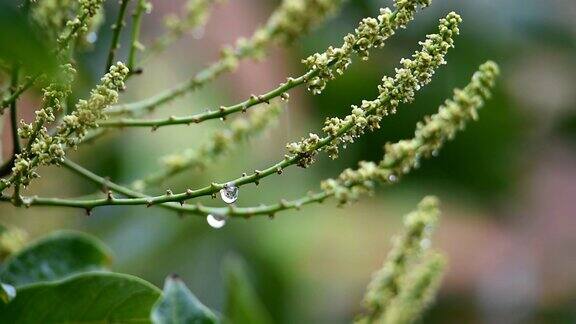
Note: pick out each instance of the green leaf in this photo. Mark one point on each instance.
(19, 41)
(83, 298)
(7, 292)
(179, 305)
(54, 257)
(242, 303)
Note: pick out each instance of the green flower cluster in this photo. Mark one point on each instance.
(196, 14)
(289, 21)
(80, 24)
(75, 126)
(417, 292)
(430, 135)
(413, 74)
(53, 100)
(405, 278)
(43, 149)
(418, 227)
(370, 33)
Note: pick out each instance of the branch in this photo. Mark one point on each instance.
(411, 77)
(141, 7)
(371, 32)
(116, 29)
(14, 111)
(222, 112)
(284, 25)
(399, 158)
(46, 149)
(6, 102)
(17, 148)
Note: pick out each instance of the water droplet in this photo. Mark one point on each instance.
(435, 153)
(229, 193)
(92, 37)
(216, 221)
(392, 178)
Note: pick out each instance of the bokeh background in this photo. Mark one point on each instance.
(507, 183)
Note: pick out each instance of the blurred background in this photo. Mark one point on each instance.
(507, 184)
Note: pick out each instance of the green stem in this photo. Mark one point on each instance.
(231, 211)
(17, 148)
(166, 96)
(6, 102)
(116, 29)
(220, 113)
(135, 42)
(193, 209)
(14, 111)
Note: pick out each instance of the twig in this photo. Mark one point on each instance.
(14, 111)
(141, 7)
(116, 31)
(196, 118)
(17, 148)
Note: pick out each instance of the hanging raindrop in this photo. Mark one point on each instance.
(392, 178)
(216, 221)
(229, 193)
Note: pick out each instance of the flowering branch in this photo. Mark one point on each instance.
(371, 32)
(414, 74)
(399, 158)
(408, 280)
(43, 149)
(292, 19)
(407, 248)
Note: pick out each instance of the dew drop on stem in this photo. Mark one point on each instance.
(229, 193)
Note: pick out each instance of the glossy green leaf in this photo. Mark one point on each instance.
(93, 297)
(242, 303)
(7, 292)
(54, 257)
(179, 305)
